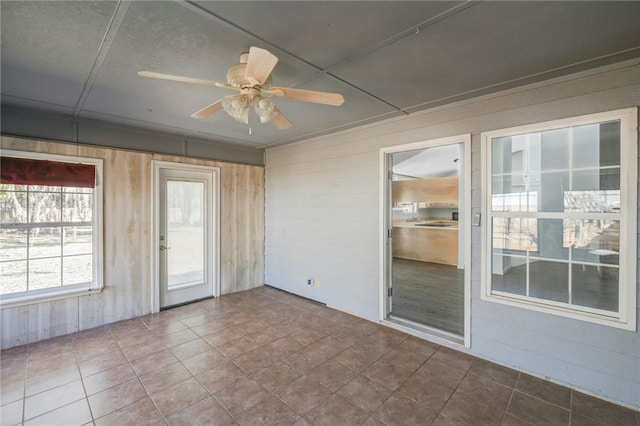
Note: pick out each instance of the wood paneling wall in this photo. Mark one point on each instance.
(127, 242)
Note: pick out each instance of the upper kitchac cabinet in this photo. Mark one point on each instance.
(430, 192)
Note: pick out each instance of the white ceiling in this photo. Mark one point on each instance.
(80, 59)
(437, 161)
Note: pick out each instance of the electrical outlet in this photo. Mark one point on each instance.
(309, 282)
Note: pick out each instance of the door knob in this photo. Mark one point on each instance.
(165, 248)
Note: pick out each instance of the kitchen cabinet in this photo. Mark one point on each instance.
(433, 192)
(437, 245)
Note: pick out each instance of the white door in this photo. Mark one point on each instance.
(187, 256)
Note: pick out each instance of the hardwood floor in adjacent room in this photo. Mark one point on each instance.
(429, 293)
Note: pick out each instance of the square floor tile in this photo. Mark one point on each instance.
(543, 389)
(387, 373)
(205, 412)
(76, 413)
(241, 395)
(116, 397)
(474, 409)
(332, 375)
(303, 394)
(356, 359)
(161, 379)
(336, 411)
(453, 358)
(602, 411)
(177, 397)
(10, 392)
(398, 410)
(426, 392)
(503, 375)
(190, 349)
(269, 411)
(12, 413)
(408, 360)
(52, 399)
(203, 361)
(222, 374)
(255, 360)
(108, 378)
(102, 362)
(535, 410)
(153, 362)
(283, 347)
(442, 373)
(306, 359)
(237, 347)
(365, 393)
(142, 412)
(51, 379)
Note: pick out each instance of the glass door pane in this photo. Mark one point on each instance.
(427, 277)
(185, 233)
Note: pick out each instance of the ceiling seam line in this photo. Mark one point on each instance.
(4, 95)
(196, 7)
(402, 34)
(319, 71)
(397, 108)
(114, 26)
(424, 24)
(327, 71)
(516, 80)
(339, 128)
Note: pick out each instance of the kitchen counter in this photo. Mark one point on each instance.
(440, 224)
(437, 244)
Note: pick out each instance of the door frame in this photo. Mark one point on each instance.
(157, 165)
(385, 227)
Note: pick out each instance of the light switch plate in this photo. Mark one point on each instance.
(476, 219)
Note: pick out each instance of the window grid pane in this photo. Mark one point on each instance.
(569, 170)
(34, 257)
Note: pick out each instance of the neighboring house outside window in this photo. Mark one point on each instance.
(560, 202)
(50, 226)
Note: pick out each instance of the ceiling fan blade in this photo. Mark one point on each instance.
(208, 110)
(326, 98)
(259, 65)
(280, 121)
(180, 78)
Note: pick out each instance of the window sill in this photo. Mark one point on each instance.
(628, 324)
(31, 299)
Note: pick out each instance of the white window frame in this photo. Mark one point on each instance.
(43, 295)
(626, 318)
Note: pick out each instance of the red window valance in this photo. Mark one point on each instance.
(27, 171)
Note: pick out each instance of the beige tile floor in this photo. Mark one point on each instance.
(266, 357)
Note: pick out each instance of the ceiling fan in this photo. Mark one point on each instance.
(252, 78)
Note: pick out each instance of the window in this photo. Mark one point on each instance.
(50, 226)
(560, 202)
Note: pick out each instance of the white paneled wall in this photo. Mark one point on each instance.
(322, 221)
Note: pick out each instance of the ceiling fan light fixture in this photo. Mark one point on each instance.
(237, 106)
(265, 109)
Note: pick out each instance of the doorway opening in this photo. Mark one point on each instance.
(426, 237)
(185, 237)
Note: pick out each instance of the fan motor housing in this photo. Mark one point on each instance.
(235, 75)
